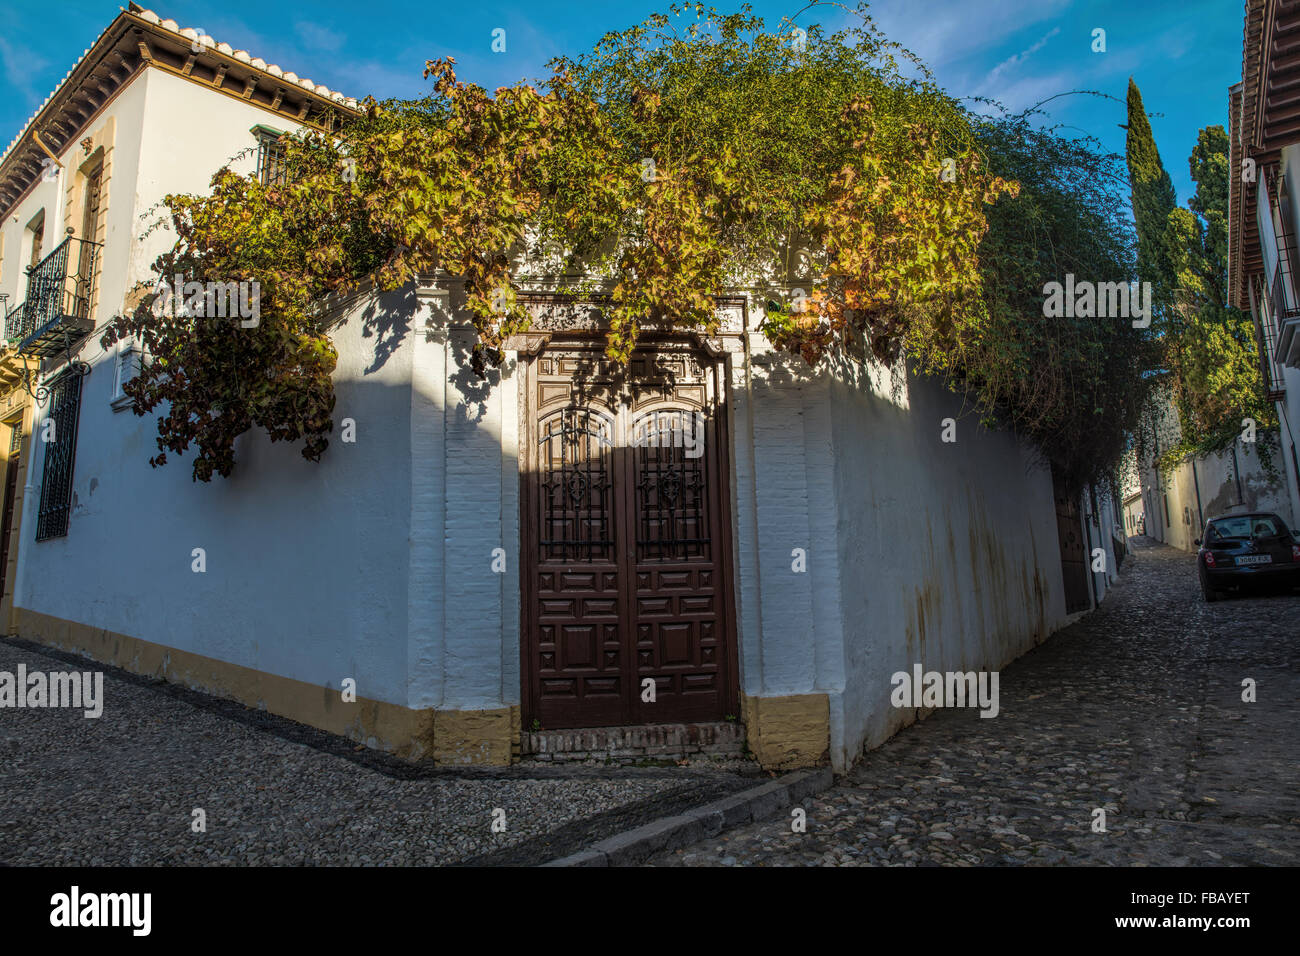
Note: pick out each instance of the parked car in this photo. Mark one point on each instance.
(1247, 549)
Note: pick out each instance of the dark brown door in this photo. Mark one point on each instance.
(6, 525)
(626, 565)
(1074, 555)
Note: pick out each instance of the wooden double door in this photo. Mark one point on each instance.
(626, 570)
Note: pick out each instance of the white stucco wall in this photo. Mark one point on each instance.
(1219, 492)
(1289, 421)
(1133, 516)
(1289, 408)
(173, 159)
(918, 550)
(464, 616)
(962, 564)
(1102, 528)
(17, 247)
(307, 564)
(375, 563)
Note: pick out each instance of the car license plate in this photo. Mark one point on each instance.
(1256, 559)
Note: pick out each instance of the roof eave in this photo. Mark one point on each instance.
(131, 43)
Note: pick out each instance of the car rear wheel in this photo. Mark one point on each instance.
(1210, 594)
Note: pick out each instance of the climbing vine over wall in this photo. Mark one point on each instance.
(692, 152)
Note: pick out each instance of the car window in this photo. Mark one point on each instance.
(1260, 526)
(1229, 528)
(1265, 528)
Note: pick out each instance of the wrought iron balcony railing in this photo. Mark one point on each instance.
(13, 318)
(60, 292)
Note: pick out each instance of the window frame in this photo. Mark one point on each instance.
(53, 517)
(270, 170)
(121, 401)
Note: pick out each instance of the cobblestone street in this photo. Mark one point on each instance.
(122, 789)
(1137, 710)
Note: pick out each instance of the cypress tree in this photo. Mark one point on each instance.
(1153, 201)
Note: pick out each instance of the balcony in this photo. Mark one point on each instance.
(13, 318)
(60, 292)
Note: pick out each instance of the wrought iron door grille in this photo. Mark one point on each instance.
(671, 504)
(576, 490)
(60, 455)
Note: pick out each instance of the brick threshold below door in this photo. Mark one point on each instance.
(646, 740)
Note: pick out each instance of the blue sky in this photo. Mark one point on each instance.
(1184, 55)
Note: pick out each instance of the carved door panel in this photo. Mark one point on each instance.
(625, 566)
(581, 649)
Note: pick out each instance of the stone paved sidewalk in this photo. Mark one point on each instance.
(1136, 709)
(121, 789)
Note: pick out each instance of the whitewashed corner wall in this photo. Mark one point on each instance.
(465, 505)
(375, 563)
(918, 551)
(790, 629)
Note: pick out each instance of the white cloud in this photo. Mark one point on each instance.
(945, 33)
(19, 66)
(1017, 59)
(316, 37)
(1026, 91)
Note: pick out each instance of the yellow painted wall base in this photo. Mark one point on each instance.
(785, 733)
(476, 736)
(460, 737)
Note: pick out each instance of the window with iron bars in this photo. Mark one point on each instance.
(271, 169)
(1278, 300)
(60, 456)
(1267, 304)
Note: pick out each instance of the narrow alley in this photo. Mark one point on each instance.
(1136, 710)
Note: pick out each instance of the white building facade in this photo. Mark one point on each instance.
(1263, 220)
(717, 536)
